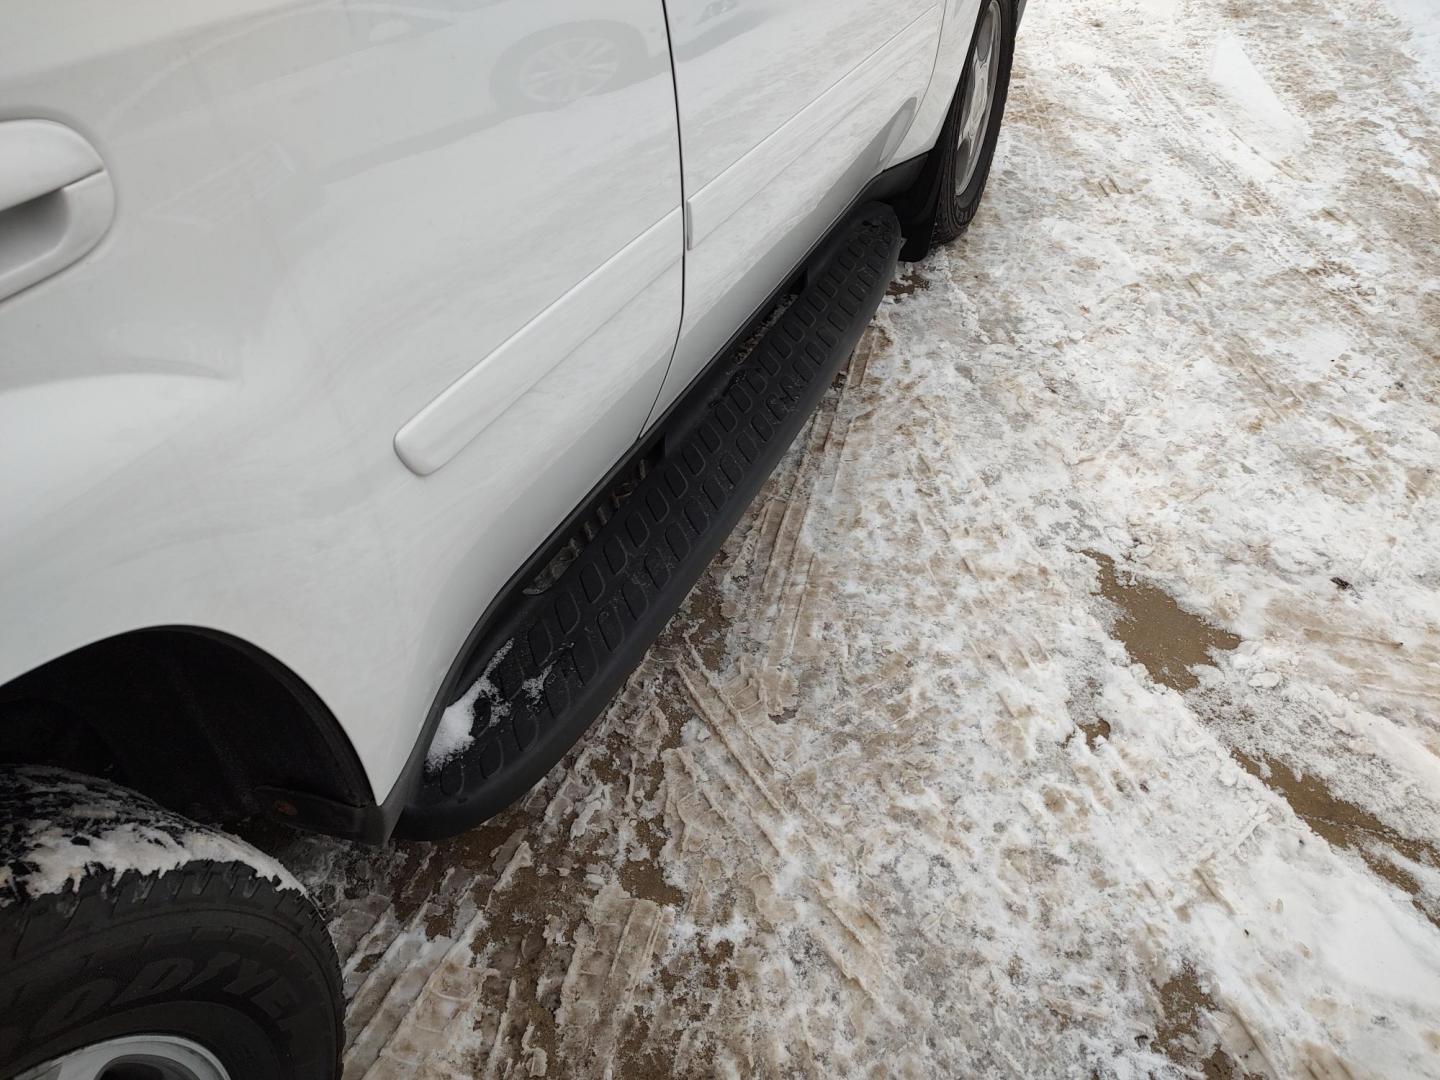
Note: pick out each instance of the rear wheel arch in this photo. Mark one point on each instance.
(201, 721)
(940, 205)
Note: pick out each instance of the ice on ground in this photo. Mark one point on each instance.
(1421, 22)
(1067, 703)
(1252, 110)
(1274, 130)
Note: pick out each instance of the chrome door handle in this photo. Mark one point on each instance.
(56, 201)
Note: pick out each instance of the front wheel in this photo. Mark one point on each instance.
(137, 944)
(973, 124)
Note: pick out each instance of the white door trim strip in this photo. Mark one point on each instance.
(477, 399)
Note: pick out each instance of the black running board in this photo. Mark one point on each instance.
(555, 653)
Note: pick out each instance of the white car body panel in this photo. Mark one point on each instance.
(485, 392)
(767, 173)
(366, 325)
(960, 16)
(198, 418)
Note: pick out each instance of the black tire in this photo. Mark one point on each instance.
(216, 951)
(958, 204)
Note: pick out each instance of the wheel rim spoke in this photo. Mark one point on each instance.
(979, 96)
(166, 1056)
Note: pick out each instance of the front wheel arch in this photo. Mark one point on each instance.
(205, 723)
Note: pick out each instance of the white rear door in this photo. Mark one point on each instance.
(788, 108)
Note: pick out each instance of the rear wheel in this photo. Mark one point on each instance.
(978, 110)
(967, 141)
(138, 945)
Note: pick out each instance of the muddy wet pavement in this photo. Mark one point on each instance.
(1069, 702)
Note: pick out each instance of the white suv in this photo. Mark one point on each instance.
(375, 381)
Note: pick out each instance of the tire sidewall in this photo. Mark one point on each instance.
(958, 207)
(255, 987)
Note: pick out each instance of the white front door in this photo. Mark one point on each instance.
(388, 288)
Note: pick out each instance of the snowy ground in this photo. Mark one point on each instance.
(1069, 705)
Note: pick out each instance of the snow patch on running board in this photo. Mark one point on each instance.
(456, 732)
(58, 827)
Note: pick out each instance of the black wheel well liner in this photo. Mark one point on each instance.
(199, 720)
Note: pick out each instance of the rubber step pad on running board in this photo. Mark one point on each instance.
(551, 658)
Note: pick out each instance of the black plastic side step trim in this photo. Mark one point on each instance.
(553, 659)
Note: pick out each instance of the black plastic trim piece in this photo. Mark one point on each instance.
(554, 658)
(892, 186)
